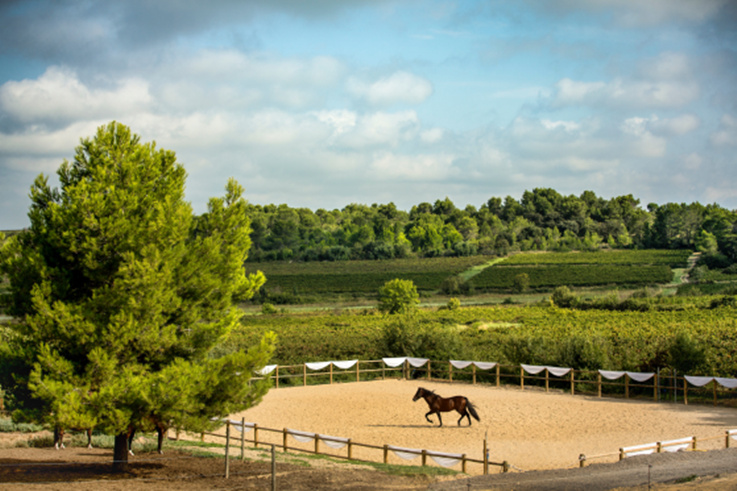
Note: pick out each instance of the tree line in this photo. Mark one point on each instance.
(542, 220)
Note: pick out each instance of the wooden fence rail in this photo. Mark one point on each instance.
(336, 443)
(660, 386)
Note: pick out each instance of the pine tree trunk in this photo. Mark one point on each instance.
(120, 453)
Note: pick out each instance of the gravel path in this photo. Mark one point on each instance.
(630, 473)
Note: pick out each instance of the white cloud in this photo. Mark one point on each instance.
(568, 126)
(432, 135)
(727, 133)
(624, 93)
(417, 167)
(642, 142)
(381, 128)
(399, 88)
(677, 126)
(59, 96)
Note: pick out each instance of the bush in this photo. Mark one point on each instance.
(564, 298)
(686, 354)
(268, 308)
(398, 296)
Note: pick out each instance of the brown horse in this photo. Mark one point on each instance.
(59, 437)
(440, 404)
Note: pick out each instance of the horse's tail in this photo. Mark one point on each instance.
(472, 410)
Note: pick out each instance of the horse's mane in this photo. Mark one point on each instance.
(428, 390)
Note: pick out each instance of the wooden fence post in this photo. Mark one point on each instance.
(331, 373)
(497, 375)
(276, 375)
(463, 463)
(685, 391)
(715, 392)
(386, 454)
(656, 382)
(227, 448)
(486, 457)
(726, 440)
(473, 370)
(598, 383)
(304, 374)
(284, 440)
(521, 378)
(429, 369)
(626, 386)
(547, 380)
(573, 384)
(350, 449)
(450, 372)
(243, 438)
(358, 371)
(317, 445)
(424, 457)
(255, 435)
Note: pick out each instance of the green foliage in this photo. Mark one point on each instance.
(398, 296)
(268, 308)
(359, 277)
(453, 304)
(521, 282)
(564, 298)
(581, 269)
(615, 339)
(122, 294)
(9, 426)
(686, 354)
(408, 336)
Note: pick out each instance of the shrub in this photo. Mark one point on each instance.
(268, 308)
(398, 296)
(564, 298)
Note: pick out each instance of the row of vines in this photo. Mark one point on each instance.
(544, 270)
(699, 337)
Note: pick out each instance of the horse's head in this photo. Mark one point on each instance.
(420, 392)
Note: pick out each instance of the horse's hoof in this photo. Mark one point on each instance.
(131, 453)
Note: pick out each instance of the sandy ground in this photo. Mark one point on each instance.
(530, 429)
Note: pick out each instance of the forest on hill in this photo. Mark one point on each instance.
(542, 220)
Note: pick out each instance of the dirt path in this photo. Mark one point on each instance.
(541, 433)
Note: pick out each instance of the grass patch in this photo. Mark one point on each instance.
(8, 426)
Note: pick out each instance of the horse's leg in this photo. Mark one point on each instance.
(58, 438)
(440, 419)
(89, 438)
(131, 434)
(160, 432)
(427, 416)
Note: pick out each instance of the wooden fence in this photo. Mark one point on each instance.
(659, 386)
(280, 438)
(677, 445)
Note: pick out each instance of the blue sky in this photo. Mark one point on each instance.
(326, 103)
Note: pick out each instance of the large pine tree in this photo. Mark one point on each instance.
(121, 294)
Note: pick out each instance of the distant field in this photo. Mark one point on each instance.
(551, 269)
(544, 270)
(672, 258)
(360, 277)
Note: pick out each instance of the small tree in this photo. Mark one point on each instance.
(521, 282)
(121, 294)
(398, 297)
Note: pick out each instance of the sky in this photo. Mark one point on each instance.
(326, 103)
